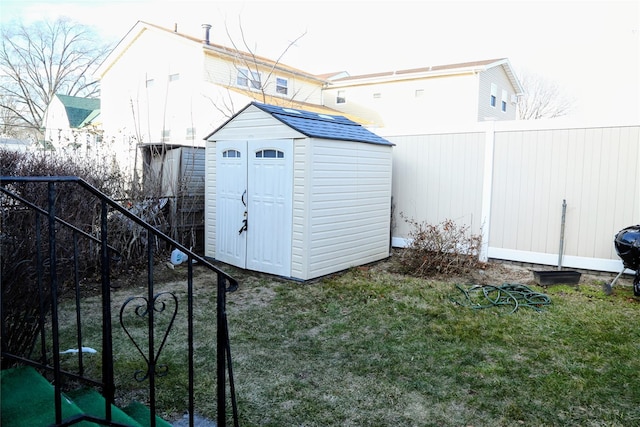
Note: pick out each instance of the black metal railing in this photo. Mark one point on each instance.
(41, 314)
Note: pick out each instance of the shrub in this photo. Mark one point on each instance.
(24, 235)
(445, 248)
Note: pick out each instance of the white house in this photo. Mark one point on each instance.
(194, 85)
(428, 97)
(72, 122)
(160, 86)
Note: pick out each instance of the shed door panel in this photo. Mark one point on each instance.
(270, 186)
(231, 184)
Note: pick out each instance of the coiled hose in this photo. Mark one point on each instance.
(515, 295)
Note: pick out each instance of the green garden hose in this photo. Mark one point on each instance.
(515, 295)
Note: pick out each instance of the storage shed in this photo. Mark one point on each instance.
(296, 193)
(176, 172)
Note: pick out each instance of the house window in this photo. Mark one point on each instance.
(341, 97)
(256, 82)
(150, 82)
(191, 133)
(231, 153)
(248, 78)
(243, 77)
(166, 135)
(174, 77)
(503, 104)
(377, 95)
(419, 93)
(269, 154)
(494, 94)
(282, 86)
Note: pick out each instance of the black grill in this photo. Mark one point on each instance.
(627, 244)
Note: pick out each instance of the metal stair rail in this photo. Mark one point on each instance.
(44, 352)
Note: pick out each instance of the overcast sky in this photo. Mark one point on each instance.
(591, 49)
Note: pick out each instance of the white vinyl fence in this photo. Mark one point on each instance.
(508, 181)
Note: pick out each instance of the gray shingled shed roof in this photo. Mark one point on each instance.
(316, 125)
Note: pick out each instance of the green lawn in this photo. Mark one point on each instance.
(372, 348)
(378, 349)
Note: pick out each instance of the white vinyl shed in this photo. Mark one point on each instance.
(296, 193)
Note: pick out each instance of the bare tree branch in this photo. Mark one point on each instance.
(542, 99)
(252, 63)
(44, 59)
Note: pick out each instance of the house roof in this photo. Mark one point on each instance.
(317, 125)
(208, 48)
(434, 71)
(296, 104)
(80, 111)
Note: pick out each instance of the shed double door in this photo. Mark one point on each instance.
(254, 184)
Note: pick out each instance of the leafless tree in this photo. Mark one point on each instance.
(251, 62)
(43, 59)
(9, 124)
(542, 99)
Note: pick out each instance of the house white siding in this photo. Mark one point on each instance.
(56, 119)
(421, 100)
(223, 72)
(410, 104)
(499, 78)
(145, 94)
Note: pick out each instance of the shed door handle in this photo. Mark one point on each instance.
(244, 226)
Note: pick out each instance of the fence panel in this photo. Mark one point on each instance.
(532, 170)
(437, 177)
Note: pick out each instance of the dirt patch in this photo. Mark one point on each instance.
(257, 289)
(499, 272)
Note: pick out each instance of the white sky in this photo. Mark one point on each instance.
(591, 49)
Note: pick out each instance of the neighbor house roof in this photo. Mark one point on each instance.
(80, 111)
(294, 103)
(317, 125)
(208, 47)
(433, 71)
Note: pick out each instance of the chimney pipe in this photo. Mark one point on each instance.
(206, 28)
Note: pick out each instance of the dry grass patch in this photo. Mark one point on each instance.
(371, 347)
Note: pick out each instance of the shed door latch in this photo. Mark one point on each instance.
(244, 221)
(244, 224)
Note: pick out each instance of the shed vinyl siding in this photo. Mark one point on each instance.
(301, 208)
(210, 200)
(254, 123)
(350, 191)
(497, 76)
(192, 171)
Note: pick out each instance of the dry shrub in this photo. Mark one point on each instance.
(24, 235)
(445, 248)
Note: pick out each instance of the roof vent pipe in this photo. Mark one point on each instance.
(207, 28)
